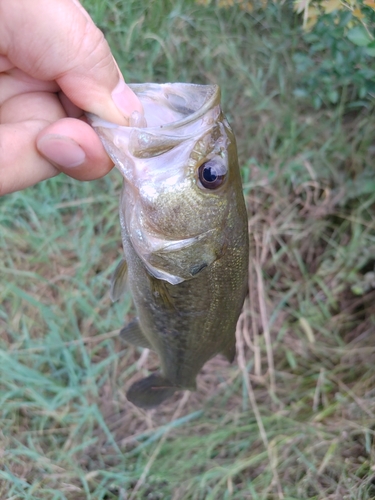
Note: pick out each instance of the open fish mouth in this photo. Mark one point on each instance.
(182, 104)
(171, 115)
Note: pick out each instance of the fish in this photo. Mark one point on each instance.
(184, 232)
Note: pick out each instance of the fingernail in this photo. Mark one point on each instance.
(125, 99)
(61, 150)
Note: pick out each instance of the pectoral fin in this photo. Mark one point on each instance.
(230, 352)
(133, 334)
(161, 292)
(150, 392)
(118, 283)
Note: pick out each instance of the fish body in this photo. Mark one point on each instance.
(184, 232)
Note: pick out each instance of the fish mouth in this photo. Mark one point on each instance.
(190, 100)
(177, 115)
(186, 102)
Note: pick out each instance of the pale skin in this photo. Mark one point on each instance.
(54, 65)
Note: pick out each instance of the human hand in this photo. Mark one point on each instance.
(55, 63)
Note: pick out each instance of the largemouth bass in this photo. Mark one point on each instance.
(184, 232)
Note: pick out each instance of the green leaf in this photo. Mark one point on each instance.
(317, 102)
(333, 96)
(359, 36)
(370, 49)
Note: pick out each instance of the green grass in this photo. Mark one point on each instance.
(294, 417)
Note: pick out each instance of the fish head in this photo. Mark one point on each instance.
(181, 177)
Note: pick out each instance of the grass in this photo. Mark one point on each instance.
(293, 418)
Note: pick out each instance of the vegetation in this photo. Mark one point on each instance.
(294, 417)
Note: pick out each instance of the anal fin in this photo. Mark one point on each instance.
(150, 392)
(133, 334)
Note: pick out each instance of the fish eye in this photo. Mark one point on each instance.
(212, 174)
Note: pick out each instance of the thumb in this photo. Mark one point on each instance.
(57, 41)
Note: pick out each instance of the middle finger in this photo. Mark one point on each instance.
(14, 82)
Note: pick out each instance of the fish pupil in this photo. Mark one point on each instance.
(209, 174)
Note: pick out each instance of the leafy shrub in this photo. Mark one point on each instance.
(331, 67)
(336, 50)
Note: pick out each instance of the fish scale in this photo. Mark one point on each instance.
(184, 232)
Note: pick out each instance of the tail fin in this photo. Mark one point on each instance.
(150, 392)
